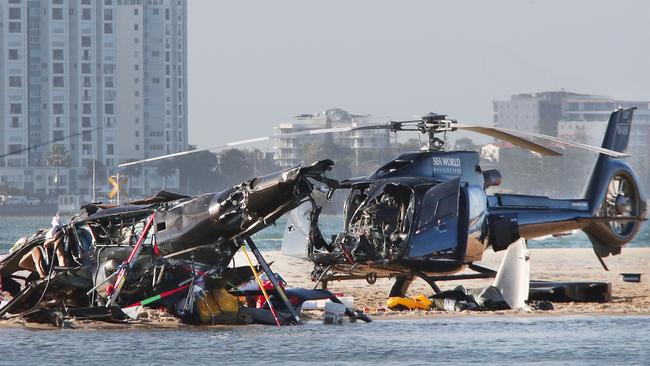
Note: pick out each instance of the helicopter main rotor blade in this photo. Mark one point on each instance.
(509, 136)
(505, 136)
(241, 142)
(496, 132)
(392, 126)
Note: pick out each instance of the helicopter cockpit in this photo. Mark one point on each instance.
(422, 206)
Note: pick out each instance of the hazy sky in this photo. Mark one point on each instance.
(253, 64)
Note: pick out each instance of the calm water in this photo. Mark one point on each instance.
(480, 341)
(12, 228)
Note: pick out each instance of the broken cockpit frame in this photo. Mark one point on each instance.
(396, 227)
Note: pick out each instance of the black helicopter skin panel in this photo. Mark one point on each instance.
(514, 216)
(193, 223)
(221, 216)
(119, 210)
(536, 202)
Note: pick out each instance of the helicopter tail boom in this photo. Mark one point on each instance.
(610, 212)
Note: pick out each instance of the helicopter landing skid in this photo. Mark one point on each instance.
(402, 280)
(402, 283)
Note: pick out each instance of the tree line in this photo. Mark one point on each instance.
(523, 172)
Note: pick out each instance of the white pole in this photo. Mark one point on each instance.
(94, 177)
(93, 183)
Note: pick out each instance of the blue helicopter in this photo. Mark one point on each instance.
(427, 214)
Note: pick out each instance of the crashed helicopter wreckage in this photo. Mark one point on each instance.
(168, 251)
(423, 214)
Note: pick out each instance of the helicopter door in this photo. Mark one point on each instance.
(436, 232)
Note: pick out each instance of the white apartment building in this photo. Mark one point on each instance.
(288, 150)
(90, 69)
(152, 97)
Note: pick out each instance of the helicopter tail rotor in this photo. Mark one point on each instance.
(617, 203)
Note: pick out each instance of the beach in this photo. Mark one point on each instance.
(557, 264)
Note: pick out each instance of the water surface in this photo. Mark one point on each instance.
(559, 340)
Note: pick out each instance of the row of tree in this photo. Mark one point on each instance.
(523, 172)
(207, 171)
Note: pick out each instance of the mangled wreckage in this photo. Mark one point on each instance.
(168, 251)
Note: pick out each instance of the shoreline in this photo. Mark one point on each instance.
(388, 317)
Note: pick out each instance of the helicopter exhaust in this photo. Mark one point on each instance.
(617, 204)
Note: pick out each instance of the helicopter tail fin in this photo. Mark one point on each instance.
(617, 135)
(613, 191)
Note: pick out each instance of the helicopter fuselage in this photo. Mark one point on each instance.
(428, 213)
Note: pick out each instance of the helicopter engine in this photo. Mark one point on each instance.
(377, 225)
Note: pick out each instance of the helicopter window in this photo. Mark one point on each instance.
(393, 166)
(161, 226)
(409, 216)
(447, 206)
(439, 202)
(477, 202)
(86, 237)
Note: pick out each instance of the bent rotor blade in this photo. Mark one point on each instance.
(506, 136)
(241, 142)
(492, 131)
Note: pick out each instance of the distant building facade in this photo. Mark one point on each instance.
(577, 117)
(538, 112)
(288, 150)
(544, 112)
(152, 79)
(111, 73)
